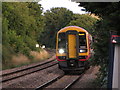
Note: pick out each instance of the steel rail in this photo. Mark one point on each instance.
(5, 80)
(73, 82)
(49, 82)
(27, 68)
(41, 87)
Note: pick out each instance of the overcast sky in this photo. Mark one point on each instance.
(47, 4)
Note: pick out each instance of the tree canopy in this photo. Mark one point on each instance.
(85, 21)
(24, 25)
(21, 25)
(55, 19)
(109, 12)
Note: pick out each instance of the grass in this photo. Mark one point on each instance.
(20, 59)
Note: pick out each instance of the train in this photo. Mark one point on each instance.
(73, 48)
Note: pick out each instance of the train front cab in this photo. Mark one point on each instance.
(72, 49)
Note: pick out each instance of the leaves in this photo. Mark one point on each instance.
(55, 19)
(85, 21)
(110, 14)
(22, 24)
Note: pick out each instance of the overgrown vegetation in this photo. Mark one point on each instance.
(85, 21)
(109, 13)
(24, 25)
(21, 25)
(57, 18)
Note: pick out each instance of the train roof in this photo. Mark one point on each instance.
(72, 28)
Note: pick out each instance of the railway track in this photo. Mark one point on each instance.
(62, 82)
(72, 83)
(48, 83)
(29, 70)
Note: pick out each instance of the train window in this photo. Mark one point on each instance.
(62, 41)
(82, 40)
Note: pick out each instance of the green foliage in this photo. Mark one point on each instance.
(85, 21)
(55, 19)
(109, 12)
(101, 49)
(21, 25)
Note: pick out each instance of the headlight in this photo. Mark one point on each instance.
(61, 51)
(82, 50)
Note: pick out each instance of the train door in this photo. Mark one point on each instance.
(72, 45)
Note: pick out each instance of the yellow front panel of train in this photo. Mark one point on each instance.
(72, 46)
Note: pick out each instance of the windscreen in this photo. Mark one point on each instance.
(82, 40)
(61, 41)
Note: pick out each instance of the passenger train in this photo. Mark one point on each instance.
(73, 48)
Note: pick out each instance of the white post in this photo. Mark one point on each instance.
(115, 67)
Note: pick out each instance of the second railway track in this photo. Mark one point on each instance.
(63, 82)
(22, 72)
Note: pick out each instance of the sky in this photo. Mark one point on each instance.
(73, 6)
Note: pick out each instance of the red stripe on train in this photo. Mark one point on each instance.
(59, 59)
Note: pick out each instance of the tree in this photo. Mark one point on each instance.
(55, 19)
(110, 17)
(108, 11)
(85, 21)
(22, 23)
